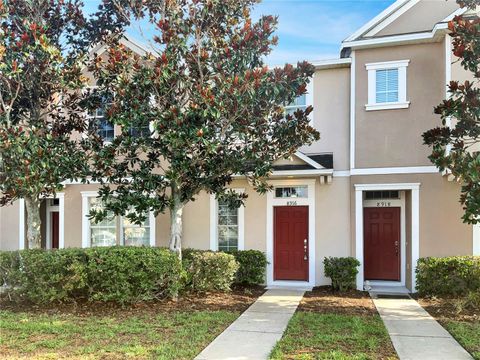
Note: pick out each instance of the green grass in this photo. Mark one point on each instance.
(467, 334)
(312, 335)
(174, 335)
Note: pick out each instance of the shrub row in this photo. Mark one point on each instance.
(451, 276)
(120, 274)
(123, 274)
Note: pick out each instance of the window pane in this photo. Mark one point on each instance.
(227, 227)
(291, 192)
(386, 85)
(105, 130)
(103, 236)
(140, 131)
(136, 236)
(102, 233)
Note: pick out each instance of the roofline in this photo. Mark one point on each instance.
(420, 37)
(128, 41)
(332, 63)
(377, 19)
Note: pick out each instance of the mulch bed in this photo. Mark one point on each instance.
(323, 300)
(444, 309)
(239, 299)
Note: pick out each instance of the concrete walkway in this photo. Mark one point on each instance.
(254, 334)
(415, 334)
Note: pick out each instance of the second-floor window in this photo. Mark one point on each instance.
(387, 85)
(140, 131)
(299, 103)
(98, 119)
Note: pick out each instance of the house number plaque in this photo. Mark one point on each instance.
(291, 203)
(384, 204)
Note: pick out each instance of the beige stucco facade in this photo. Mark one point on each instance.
(372, 150)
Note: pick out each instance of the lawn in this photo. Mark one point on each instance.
(161, 330)
(463, 323)
(328, 326)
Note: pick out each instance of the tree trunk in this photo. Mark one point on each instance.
(34, 236)
(176, 227)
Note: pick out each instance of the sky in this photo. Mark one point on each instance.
(308, 29)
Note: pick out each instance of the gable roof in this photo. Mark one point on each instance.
(406, 20)
(128, 42)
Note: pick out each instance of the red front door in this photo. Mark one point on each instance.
(382, 243)
(55, 229)
(291, 243)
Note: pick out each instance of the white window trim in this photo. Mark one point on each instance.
(61, 223)
(476, 240)
(402, 102)
(309, 98)
(272, 201)
(415, 225)
(151, 219)
(214, 222)
(86, 195)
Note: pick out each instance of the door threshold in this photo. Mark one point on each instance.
(290, 287)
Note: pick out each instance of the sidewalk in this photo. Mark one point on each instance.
(254, 334)
(415, 334)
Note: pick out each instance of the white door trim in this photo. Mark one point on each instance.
(61, 223)
(48, 221)
(415, 224)
(403, 238)
(272, 201)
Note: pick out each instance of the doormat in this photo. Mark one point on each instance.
(392, 296)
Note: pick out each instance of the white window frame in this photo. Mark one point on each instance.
(372, 68)
(151, 226)
(214, 222)
(86, 239)
(307, 99)
(89, 117)
(476, 239)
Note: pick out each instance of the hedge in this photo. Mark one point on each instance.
(448, 276)
(252, 265)
(120, 274)
(342, 271)
(124, 274)
(208, 270)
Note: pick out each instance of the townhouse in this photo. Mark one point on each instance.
(365, 189)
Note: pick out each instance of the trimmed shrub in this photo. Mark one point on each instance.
(120, 274)
(252, 267)
(342, 271)
(448, 276)
(209, 270)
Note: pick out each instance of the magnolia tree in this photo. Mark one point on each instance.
(40, 79)
(201, 108)
(456, 144)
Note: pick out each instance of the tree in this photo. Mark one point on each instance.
(40, 92)
(214, 109)
(456, 148)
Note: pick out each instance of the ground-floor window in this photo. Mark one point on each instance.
(114, 230)
(226, 226)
